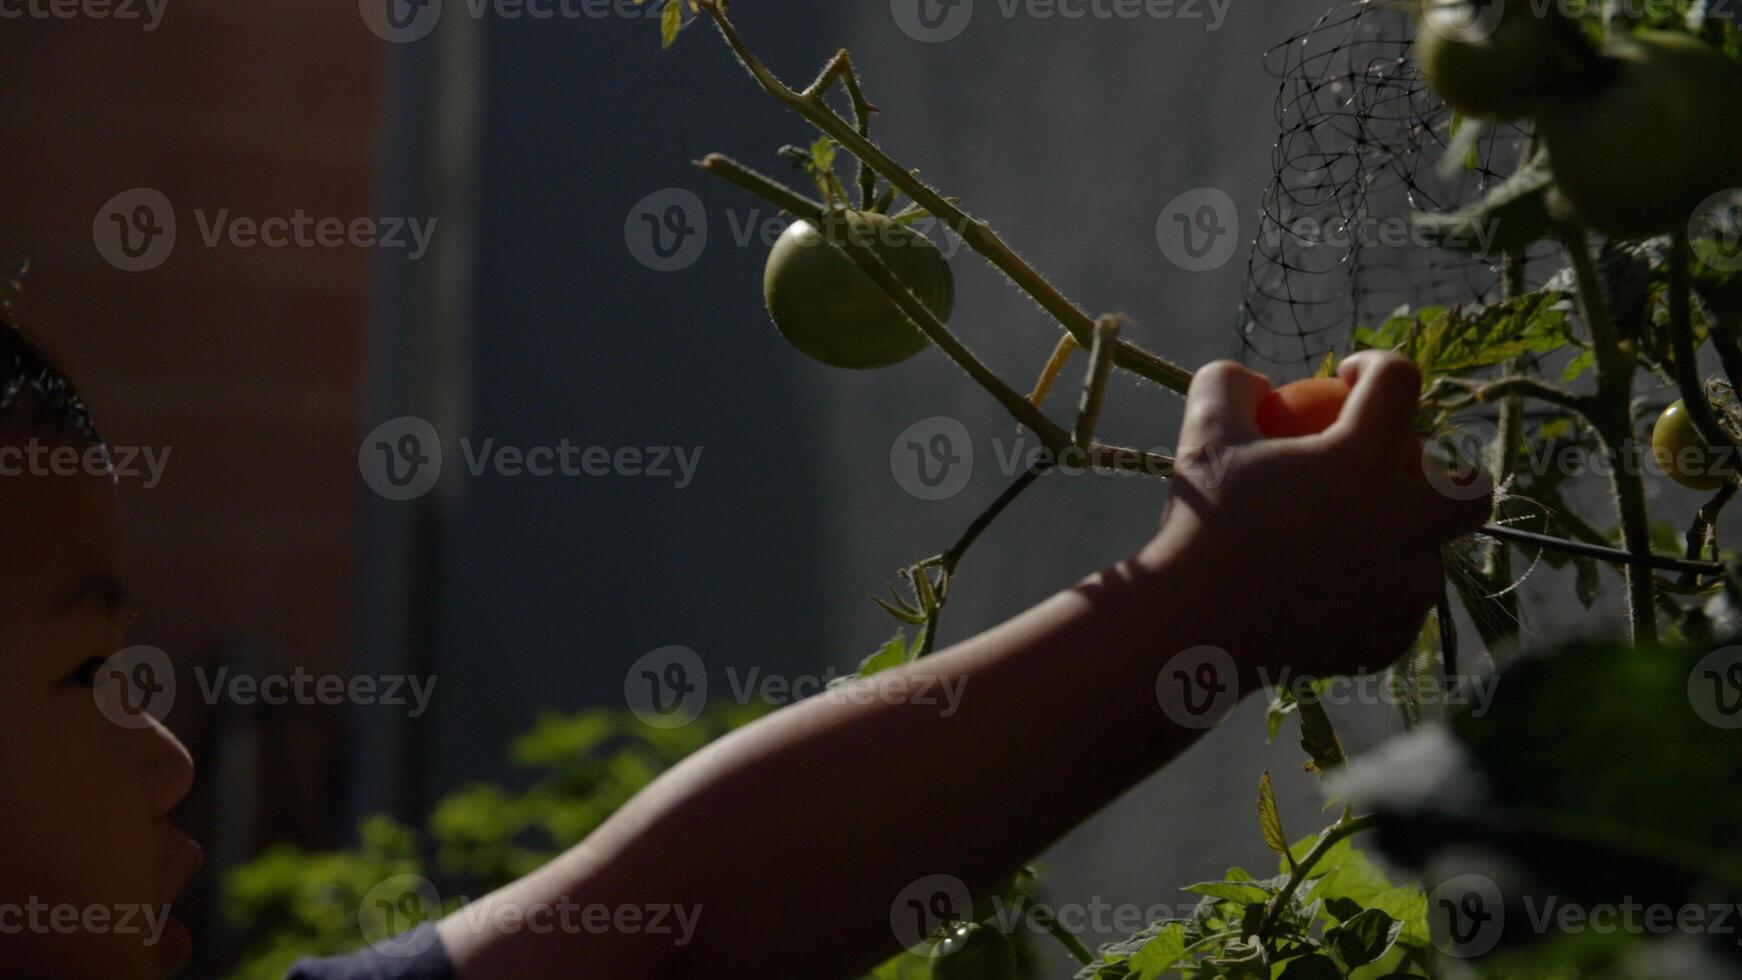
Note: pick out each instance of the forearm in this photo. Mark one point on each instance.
(796, 835)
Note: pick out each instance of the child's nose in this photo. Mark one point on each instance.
(168, 768)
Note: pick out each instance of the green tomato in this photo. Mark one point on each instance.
(974, 952)
(1497, 60)
(1637, 156)
(1677, 446)
(827, 307)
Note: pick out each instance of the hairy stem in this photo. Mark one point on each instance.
(978, 234)
(1336, 833)
(1612, 417)
(1681, 335)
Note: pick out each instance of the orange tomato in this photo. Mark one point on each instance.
(1302, 408)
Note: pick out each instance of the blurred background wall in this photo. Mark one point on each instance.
(535, 316)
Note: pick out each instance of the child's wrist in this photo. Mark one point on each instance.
(1189, 610)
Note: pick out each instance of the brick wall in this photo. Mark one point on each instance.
(245, 364)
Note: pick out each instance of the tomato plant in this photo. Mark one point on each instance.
(1624, 131)
(1635, 157)
(1501, 59)
(829, 308)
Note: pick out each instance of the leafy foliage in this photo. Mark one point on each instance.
(289, 903)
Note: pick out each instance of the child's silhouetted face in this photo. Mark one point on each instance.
(89, 862)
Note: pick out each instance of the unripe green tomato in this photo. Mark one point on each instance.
(1677, 446)
(974, 952)
(1637, 156)
(827, 307)
(1497, 60)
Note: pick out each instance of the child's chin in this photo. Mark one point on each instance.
(175, 946)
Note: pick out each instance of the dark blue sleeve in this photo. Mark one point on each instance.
(417, 955)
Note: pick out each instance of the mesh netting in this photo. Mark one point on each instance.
(1360, 146)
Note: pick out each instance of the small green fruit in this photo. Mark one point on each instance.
(1680, 451)
(1637, 156)
(1499, 59)
(827, 307)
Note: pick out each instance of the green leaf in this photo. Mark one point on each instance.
(670, 23)
(1344, 872)
(1318, 738)
(1160, 954)
(1269, 820)
(823, 155)
(891, 654)
(1281, 707)
(1455, 340)
(1408, 905)
(1579, 365)
(1117, 961)
(1343, 909)
(1364, 938)
(1239, 892)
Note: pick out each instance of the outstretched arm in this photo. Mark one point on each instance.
(788, 843)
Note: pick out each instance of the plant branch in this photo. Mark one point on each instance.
(767, 188)
(1331, 837)
(841, 66)
(978, 234)
(1687, 368)
(1612, 417)
(1702, 534)
(1095, 382)
(1601, 553)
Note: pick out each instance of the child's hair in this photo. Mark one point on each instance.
(33, 391)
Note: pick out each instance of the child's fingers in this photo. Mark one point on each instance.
(1222, 406)
(1379, 417)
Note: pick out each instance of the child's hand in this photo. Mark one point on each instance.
(1320, 553)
